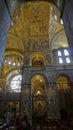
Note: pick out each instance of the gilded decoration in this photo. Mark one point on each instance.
(63, 83)
(34, 26)
(38, 93)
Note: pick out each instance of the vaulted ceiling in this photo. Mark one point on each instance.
(35, 25)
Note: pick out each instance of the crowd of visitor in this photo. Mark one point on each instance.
(9, 122)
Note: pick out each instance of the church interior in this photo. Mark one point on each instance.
(36, 61)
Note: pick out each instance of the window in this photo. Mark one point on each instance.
(16, 83)
(59, 53)
(66, 53)
(68, 60)
(60, 60)
(61, 21)
(63, 56)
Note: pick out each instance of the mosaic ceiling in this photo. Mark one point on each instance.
(35, 26)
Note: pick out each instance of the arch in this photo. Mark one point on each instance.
(17, 13)
(38, 74)
(38, 91)
(36, 80)
(13, 5)
(38, 59)
(13, 57)
(8, 52)
(59, 41)
(65, 96)
(11, 74)
(60, 74)
(13, 81)
(14, 42)
(63, 82)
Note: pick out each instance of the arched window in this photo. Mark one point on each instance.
(16, 83)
